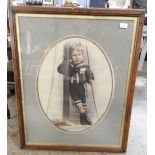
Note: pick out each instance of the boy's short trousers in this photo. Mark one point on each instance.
(78, 93)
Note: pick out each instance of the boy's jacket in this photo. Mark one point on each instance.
(80, 73)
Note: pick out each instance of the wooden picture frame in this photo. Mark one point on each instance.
(112, 39)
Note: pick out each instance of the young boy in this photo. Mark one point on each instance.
(79, 75)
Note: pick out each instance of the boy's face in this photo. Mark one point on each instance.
(77, 57)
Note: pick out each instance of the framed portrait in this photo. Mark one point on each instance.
(75, 73)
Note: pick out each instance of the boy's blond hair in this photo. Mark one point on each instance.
(76, 46)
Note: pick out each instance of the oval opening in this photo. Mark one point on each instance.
(62, 95)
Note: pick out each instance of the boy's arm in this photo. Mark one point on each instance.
(63, 67)
(89, 76)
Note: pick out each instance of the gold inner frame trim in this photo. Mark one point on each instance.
(135, 19)
(129, 71)
(74, 16)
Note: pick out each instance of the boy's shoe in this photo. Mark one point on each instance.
(84, 120)
(88, 121)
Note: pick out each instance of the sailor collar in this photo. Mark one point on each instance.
(80, 65)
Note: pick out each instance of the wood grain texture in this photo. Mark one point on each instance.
(132, 80)
(74, 148)
(77, 11)
(17, 77)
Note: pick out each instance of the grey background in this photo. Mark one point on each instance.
(38, 34)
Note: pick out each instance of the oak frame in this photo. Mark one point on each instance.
(64, 11)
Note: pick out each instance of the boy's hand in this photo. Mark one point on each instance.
(91, 82)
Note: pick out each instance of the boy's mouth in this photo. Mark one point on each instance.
(78, 61)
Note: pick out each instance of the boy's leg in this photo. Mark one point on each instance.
(77, 92)
(85, 106)
(80, 107)
(83, 115)
(81, 110)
